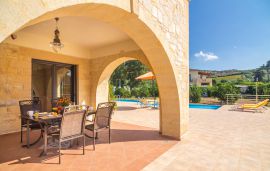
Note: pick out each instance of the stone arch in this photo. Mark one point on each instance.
(102, 85)
(104, 73)
(116, 13)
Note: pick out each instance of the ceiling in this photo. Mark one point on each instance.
(80, 31)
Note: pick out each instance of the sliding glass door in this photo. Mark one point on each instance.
(52, 80)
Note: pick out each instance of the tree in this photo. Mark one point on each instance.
(258, 75)
(122, 92)
(251, 90)
(224, 81)
(195, 94)
(268, 70)
(264, 89)
(262, 74)
(111, 92)
(126, 73)
(142, 90)
(221, 89)
(214, 82)
(268, 64)
(124, 76)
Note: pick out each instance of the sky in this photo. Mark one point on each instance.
(229, 34)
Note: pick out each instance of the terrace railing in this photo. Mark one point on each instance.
(245, 98)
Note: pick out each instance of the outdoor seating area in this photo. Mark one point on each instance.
(67, 124)
(128, 85)
(137, 145)
(132, 148)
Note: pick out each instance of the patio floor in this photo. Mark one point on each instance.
(217, 140)
(132, 148)
(220, 140)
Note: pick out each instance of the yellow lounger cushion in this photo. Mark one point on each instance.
(260, 104)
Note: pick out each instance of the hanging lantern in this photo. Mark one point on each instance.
(56, 43)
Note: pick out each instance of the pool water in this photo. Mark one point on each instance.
(192, 106)
(127, 100)
(204, 106)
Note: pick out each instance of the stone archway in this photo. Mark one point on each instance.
(104, 72)
(169, 65)
(102, 85)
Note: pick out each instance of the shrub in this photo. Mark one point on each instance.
(122, 92)
(221, 89)
(251, 90)
(210, 91)
(264, 89)
(195, 94)
(111, 93)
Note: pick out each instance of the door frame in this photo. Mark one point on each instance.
(53, 76)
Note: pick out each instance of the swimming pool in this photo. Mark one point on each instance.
(127, 100)
(204, 106)
(192, 106)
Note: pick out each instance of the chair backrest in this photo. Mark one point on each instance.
(28, 105)
(54, 102)
(103, 114)
(75, 107)
(263, 103)
(73, 123)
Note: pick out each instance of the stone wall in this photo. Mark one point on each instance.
(15, 82)
(169, 19)
(16, 72)
(158, 27)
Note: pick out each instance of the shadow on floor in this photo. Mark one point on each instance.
(125, 108)
(12, 152)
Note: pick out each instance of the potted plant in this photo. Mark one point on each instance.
(61, 104)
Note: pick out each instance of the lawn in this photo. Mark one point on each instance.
(229, 78)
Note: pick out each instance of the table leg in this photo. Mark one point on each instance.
(28, 133)
(44, 152)
(45, 139)
(28, 144)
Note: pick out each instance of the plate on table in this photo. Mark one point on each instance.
(43, 113)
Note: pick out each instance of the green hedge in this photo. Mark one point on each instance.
(195, 94)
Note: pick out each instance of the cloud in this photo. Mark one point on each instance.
(207, 56)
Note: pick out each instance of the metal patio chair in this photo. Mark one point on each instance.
(25, 106)
(102, 120)
(72, 127)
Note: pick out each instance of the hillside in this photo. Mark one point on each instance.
(261, 74)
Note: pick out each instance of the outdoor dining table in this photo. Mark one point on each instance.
(45, 118)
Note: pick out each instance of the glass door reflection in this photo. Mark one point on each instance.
(52, 80)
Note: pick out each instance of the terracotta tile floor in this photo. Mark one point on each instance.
(132, 148)
(220, 140)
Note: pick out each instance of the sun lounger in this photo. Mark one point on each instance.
(258, 107)
(143, 102)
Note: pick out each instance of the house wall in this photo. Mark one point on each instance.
(16, 76)
(198, 80)
(159, 28)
